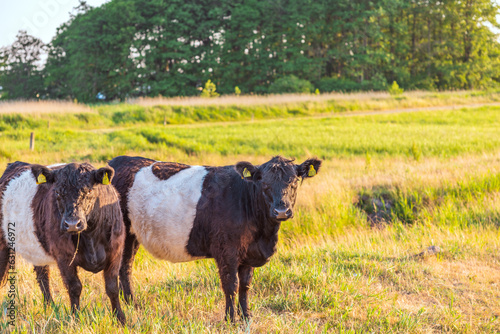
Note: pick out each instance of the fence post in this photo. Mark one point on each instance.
(32, 141)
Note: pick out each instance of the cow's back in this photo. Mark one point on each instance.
(18, 189)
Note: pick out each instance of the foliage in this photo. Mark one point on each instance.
(20, 74)
(395, 89)
(90, 54)
(209, 90)
(129, 48)
(290, 84)
(237, 91)
(328, 85)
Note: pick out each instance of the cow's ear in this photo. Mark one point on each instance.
(104, 175)
(247, 171)
(42, 174)
(309, 168)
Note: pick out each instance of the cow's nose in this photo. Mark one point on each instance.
(73, 225)
(282, 213)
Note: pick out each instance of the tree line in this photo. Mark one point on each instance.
(130, 48)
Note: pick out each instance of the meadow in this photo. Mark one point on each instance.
(352, 260)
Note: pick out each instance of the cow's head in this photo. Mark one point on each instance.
(278, 180)
(73, 188)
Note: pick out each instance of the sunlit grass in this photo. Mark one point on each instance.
(435, 176)
(333, 272)
(416, 135)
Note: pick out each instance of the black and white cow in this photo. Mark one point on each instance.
(68, 215)
(183, 213)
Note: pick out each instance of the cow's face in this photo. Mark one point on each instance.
(73, 190)
(278, 179)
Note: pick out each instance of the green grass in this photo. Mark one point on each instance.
(413, 135)
(390, 186)
(157, 111)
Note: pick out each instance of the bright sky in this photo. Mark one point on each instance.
(39, 17)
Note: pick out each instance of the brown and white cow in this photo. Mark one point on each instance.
(67, 215)
(231, 213)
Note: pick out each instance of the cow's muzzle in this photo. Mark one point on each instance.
(73, 225)
(282, 214)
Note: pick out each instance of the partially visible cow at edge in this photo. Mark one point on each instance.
(183, 213)
(67, 215)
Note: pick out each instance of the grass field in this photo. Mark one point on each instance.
(350, 261)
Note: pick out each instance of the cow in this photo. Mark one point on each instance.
(68, 215)
(232, 214)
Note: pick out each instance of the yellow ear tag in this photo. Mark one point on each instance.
(312, 171)
(41, 179)
(105, 179)
(246, 173)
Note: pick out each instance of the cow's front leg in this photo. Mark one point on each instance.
(228, 273)
(42, 277)
(112, 290)
(245, 274)
(111, 279)
(72, 282)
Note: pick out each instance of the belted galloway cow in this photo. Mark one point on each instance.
(231, 213)
(68, 215)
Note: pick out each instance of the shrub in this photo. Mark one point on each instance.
(376, 83)
(328, 85)
(290, 84)
(209, 90)
(237, 91)
(395, 90)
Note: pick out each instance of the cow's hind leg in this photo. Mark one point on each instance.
(70, 278)
(42, 277)
(129, 251)
(4, 262)
(245, 274)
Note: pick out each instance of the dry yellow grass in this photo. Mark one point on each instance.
(352, 278)
(353, 101)
(455, 96)
(41, 107)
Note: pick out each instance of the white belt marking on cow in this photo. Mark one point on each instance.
(17, 209)
(162, 212)
(56, 165)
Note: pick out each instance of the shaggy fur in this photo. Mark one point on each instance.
(72, 193)
(236, 221)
